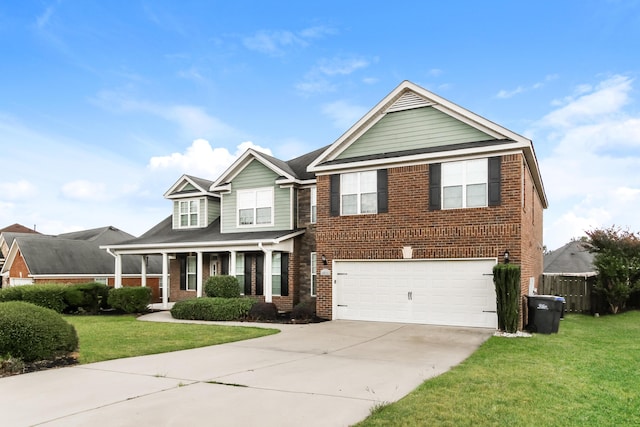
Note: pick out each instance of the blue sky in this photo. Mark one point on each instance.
(103, 105)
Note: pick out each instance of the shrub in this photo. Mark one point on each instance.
(263, 311)
(222, 287)
(50, 295)
(130, 299)
(11, 294)
(86, 297)
(304, 311)
(212, 309)
(34, 333)
(506, 278)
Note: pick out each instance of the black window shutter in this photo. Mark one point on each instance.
(335, 195)
(434, 186)
(284, 274)
(383, 191)
(260, 274)
(182, 259)
(494, 180)
(248, 259)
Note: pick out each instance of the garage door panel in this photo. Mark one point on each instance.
(451, 292)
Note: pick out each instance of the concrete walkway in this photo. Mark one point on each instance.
(325, 374)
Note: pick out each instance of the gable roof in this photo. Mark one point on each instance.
(570, 259)
(409, 96)
(101, 236)
(190, 186)
(291, 171)
(18, 228)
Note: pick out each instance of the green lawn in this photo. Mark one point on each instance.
(113, 337)
(586, 375)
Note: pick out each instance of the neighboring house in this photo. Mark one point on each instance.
(572, 259)
(401, 219)
(73, 258)
(4, 247)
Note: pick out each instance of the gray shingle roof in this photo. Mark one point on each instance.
(101, 236)
(571, 258)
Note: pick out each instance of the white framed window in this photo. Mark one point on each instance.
(255, 207)
(314, 202)
(276, 273)
(101, 280)
(192, 268)
(189, 213)
(314, 273)
(240, 271)
(358, 193)
(464, 184)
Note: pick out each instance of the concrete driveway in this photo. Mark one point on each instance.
(326, 374)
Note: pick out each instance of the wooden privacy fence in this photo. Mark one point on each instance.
(577, 291)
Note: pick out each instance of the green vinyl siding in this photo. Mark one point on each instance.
(256, 175)
(413, 129)
(188, 187)
(213, 209)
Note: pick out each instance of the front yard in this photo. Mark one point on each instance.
(587, 374)
(114, 337)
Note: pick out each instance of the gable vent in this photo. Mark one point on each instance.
(408, 101)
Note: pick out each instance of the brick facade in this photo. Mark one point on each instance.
(515, 225)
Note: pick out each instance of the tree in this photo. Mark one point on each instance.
(617, 261)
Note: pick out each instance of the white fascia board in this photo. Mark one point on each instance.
(184, 179)
(11, 256)
(242, 162)
(149, 248)
(503, 149)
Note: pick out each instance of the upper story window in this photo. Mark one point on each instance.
(255, 207)
(464, 184)
(189, 213)
(358, 193)
(314, 202)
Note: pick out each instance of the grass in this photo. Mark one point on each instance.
(114, 337)
(587, 374)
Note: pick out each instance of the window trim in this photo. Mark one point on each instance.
(313, 263)
(189, 213)
(358, 193)
(193, 273)
(255, 207)
(313, 205)
(465, 184)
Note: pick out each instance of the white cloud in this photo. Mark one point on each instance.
(201, 160)
(590, 173)
(504, 94)
(193, 121)
(21, 189)
(276, 42)
(343, 114)
(85, 190)
(317, 80)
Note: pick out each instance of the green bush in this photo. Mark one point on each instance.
(11, 294)
(222, 287)
(506, 278)
(51, 295)
(263, 311)
(133, 299)
(212, 309)
(86, 297)
(31, 333)
(304, 311)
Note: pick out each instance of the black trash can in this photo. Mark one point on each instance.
(544, 313)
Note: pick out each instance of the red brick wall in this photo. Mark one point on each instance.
(19, 267)
(455, 233)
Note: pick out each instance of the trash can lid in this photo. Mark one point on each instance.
(560, 299)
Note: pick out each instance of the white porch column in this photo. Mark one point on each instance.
(165, 280)
(232, 263)
(268, 275)
(118, 272)
(143, 271)
(198, 274)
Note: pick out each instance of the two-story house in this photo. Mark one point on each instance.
(401, 219)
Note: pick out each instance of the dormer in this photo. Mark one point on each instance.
(194, 205)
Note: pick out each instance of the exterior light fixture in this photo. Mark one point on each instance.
(324, 260)
(506, 256)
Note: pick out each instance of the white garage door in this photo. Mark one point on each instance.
(438, 292)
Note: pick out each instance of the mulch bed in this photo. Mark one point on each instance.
(9, 367)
